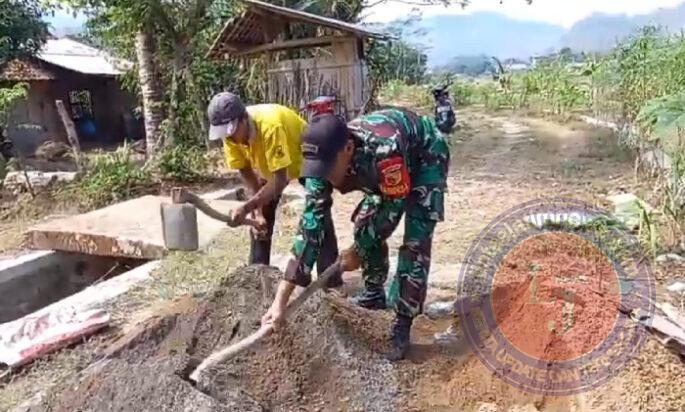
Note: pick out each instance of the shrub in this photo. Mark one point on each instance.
(110, 177)
(184, 163)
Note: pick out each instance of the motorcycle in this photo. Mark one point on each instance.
(324, 105)
(445, 119)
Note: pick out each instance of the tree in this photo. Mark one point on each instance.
(157, 34)
(22, 32)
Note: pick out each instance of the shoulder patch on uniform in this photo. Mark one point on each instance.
(394, 177)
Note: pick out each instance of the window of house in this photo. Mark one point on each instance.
(81, 104)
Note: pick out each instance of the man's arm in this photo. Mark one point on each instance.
(250, 179)
(305, 249)
(270, 191)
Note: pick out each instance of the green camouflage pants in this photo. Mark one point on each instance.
(377, 217)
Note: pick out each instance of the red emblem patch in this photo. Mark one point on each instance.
(394, 176)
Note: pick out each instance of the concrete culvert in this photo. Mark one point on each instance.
(329, 358)
(33, 281)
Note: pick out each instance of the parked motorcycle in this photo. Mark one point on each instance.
(445, 117)
(324, 105)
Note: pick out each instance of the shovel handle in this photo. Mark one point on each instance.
(266, 330)
(181, 195)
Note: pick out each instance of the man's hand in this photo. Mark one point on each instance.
(259, 232)
(275, 316)
(238, 216)
(276, 313)
(350, 260)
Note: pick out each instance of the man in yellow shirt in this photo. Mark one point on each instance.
(263, 142)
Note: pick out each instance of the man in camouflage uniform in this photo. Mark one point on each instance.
(400, 161)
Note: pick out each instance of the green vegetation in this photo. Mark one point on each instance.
(22, 31)
(109, 177)
(184, 163)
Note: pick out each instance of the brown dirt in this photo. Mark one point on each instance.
(564, 305)
(317, 362)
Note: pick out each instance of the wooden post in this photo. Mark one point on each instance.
(72, 136)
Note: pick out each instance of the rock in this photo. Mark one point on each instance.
(138, 146)
(437, 310)
(628, 208)
(449, 336)
(487, 407)
(670, 257)
(16, 181)
(53, 151)
(677, 287)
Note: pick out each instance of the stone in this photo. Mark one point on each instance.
(16, 181)
(628, 209)
(438, 310)
(670, 257)
(52, 151)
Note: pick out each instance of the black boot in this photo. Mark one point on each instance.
(372, 299)
(399, 338)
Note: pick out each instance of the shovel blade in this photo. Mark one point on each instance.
(179, 224)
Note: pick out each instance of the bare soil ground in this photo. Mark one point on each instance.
(329, 359)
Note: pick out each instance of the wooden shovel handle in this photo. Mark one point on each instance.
(266, 330)
(181, 195)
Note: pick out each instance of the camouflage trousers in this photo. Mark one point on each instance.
(377, 217)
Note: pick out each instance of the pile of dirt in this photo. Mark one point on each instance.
(316, 362)
(565, 301)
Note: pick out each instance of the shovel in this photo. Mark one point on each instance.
(179, 220)
(266, 330)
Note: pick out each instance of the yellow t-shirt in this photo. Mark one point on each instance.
(275, 145)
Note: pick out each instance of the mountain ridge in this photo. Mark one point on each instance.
(495, 34)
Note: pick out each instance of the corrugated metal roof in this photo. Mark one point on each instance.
(262, 22)
(72, 55)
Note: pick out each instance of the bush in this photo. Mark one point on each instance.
(412, 95)
(462, 93)
(184, 163)
(110, 177)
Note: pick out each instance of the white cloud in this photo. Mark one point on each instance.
(561, 12)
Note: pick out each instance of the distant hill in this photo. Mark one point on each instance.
(600, 32)
(487, 33)
(494, 34)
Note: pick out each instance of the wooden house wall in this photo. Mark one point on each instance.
(343, 72)
(35, 120)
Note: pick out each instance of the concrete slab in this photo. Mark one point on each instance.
(129, 229)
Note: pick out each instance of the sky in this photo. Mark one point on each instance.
(64, 20)
(560, 12)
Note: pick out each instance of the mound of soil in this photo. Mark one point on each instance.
(317, 364)
(565, 301)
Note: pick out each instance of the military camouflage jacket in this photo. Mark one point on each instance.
(396, 152)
